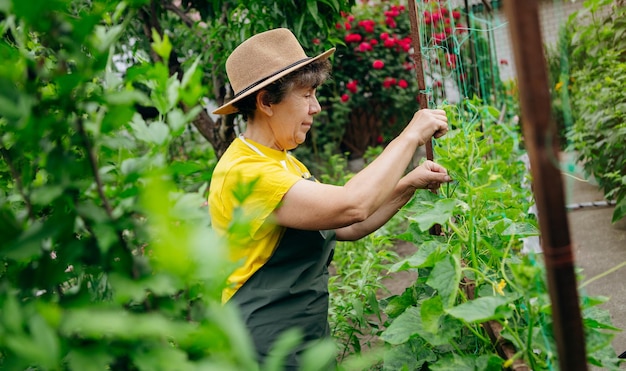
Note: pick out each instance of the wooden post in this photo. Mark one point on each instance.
(419, 67)
(541, 139)
(421, 84)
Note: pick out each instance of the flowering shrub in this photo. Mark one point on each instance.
(373, 89)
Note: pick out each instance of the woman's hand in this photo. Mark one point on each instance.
(427, 123)
(428, 175)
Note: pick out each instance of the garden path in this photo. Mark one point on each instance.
(599, 245)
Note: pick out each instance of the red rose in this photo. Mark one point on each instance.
(345, 98)
(403, 84)
(378, 64)
(384, 36)
(316, 41)
(353, 38)
(389, 82)
(456, 14)
(352, 86)
(367, 25)
(365, 47)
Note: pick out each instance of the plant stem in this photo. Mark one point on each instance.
(604, 274)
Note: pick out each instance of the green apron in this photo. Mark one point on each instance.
(290, 290)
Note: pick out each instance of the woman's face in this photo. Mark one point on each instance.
(293, 117)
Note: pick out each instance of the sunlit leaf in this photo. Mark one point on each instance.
(480, 309)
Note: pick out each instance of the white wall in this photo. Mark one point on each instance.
(552, 15)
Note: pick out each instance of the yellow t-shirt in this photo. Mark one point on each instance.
(255, 183)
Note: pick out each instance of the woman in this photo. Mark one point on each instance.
(282, 281)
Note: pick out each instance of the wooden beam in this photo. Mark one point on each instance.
(541, 139)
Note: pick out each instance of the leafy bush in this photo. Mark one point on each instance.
(107, 258)
(598, 71)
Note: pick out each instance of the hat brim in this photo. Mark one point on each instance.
(228, 108)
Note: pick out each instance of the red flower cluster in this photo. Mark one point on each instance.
(441, 21)
(391, 14)
(373, 77)
(364, 37)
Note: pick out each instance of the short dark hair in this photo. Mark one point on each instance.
(310, 76)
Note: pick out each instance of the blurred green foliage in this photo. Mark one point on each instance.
(107, 257)
(589, 75)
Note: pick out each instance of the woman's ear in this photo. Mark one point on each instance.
(262, 103)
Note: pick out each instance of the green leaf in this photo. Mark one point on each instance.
(480, 309)
(156, 133)
(40, 348)
(408, 356)
(454, 362)
(29, 244)
(407, 325)
(46, 341)
(313, 12)
(128, 290)
(620, 210)
(92, 323)
(431, 214)
(89, 358)
(161, 46)
(172, 92)
(445, 278)
(520, 229)
(104, 37)
(284, 345)
(11, 314)
(431, 310)
(320, 356)
(489, 362)
(106, 236)
(164, 357)
(398, 304)
(426, 256)
(187, 76)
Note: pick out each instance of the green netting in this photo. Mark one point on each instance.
(459, 54)
(462, 67)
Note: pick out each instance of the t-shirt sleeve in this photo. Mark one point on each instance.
(258, 185)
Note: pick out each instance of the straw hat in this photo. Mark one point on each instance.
(261, 60)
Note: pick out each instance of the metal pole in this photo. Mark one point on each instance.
(421, 84)
(541, 138)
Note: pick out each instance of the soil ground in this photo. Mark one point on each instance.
(598, 245)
